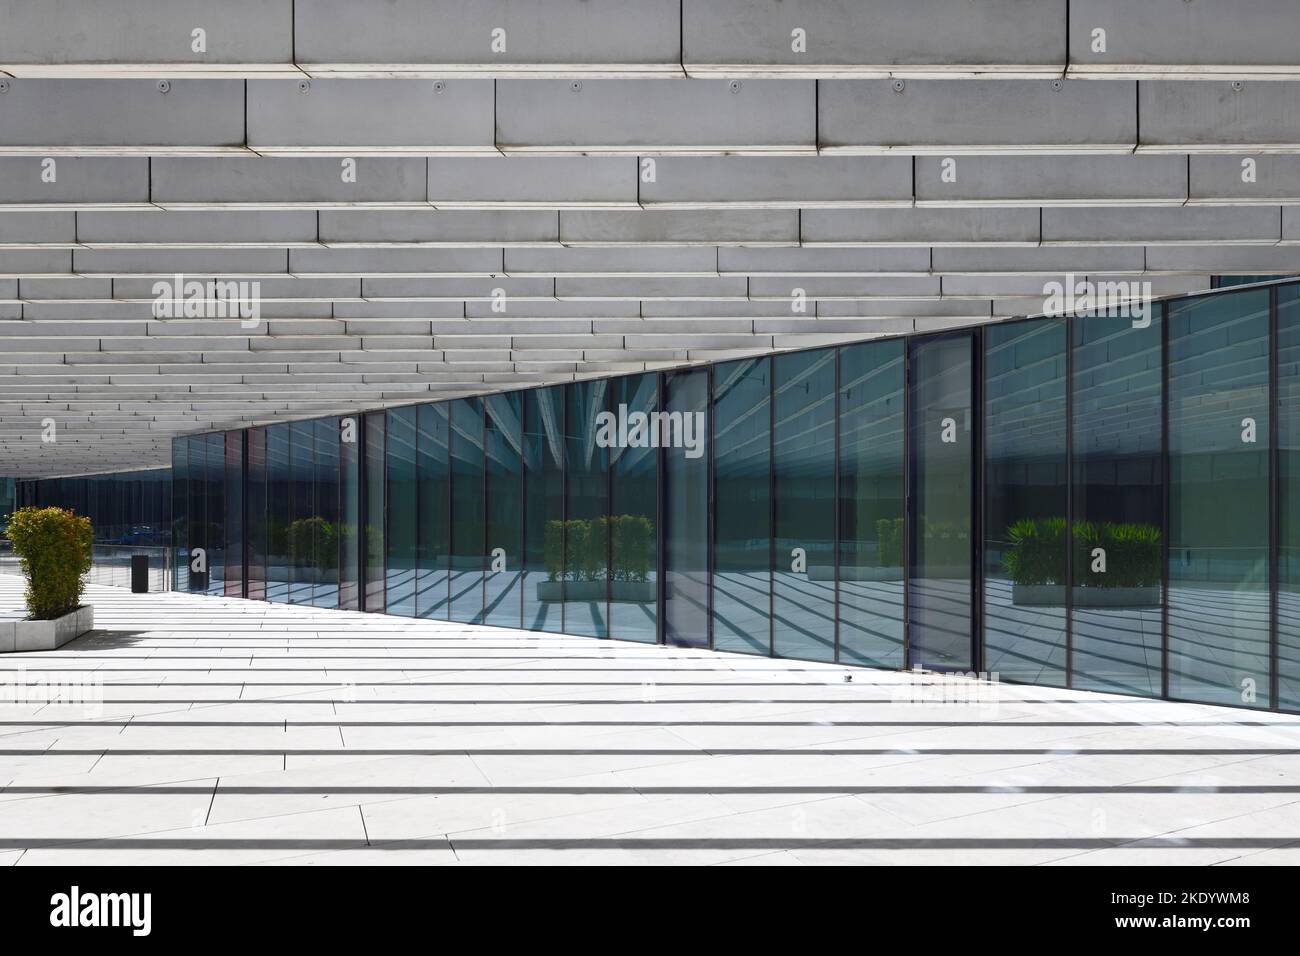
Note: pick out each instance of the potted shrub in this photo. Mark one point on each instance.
(55, 548)
(1035, 562)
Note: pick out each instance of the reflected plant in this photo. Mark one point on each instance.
(579, 549)
(313, 542)
(1134, 553)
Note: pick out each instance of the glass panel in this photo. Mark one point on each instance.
(214, 474)
(1288, 409)
(686, 520)
(504, 583)
(1026, 497)
(401, 512)
(634, 490)
(803, 462)
(543, 508)
(181, 515)
(1219, 499)
(742, 466)
(326, 549)
(467, 557)
(942, 477)
(257, 514)
(277, 522)
(233, 510)
(350, 513)
(302, 526)
(586, 528)
(374, 510)
(434, 477)
(871, 504)
(1118, 494)
(199, 557)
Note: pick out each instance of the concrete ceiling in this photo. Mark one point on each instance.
(628, 185)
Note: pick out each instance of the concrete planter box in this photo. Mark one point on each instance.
(620, 592)
(1053, 595)
(25, 635)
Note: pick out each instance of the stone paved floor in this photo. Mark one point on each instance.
(224, 731)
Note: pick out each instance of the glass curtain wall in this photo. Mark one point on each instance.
(870, 575)
(586, 505)
(942, 479)
(467, 510)
(1118, 491)
(1026, 509)
(803, 470)
(633, 509)
(1288, 497)
(1107, 502)
(543, 509)
(686, 496)
(742, 514)
(1219, 455)
(505, 492)
(374, 516)
(433, 516)
(400, 538)
(350, 526)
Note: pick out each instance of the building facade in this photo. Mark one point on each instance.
(1104, 502)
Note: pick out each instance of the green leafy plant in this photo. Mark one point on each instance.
(313, 542)
(56, 548)
(1134, 553)
(580, 549)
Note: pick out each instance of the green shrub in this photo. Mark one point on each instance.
(56, 548)
(633, 547)
(313, 543)
(890, 533)
(1037, 553)
(1134, 553)
(579, 549)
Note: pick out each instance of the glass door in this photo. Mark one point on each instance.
(942, 456)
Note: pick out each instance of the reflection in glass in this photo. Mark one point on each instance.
(586, 525)
(256, 532)
(543, 508)
(467, 555)
(350, 513)
(504, 584)
(634, 487)
(433, 473)
(871, 504)
(686, 521)
(181, 516)
(374, 523)
(233, 509)
(325, 543)
(742, 457)
(303, 510)
(1218, 499)
(1288, 410)
(277, 513)
(401, 512)
(1118, 481)
(803, 450)
(942, 477)
(1025, 501)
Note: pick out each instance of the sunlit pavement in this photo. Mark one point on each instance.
(211, 730)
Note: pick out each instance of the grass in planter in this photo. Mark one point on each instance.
(56, 548)
(1134, 553)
